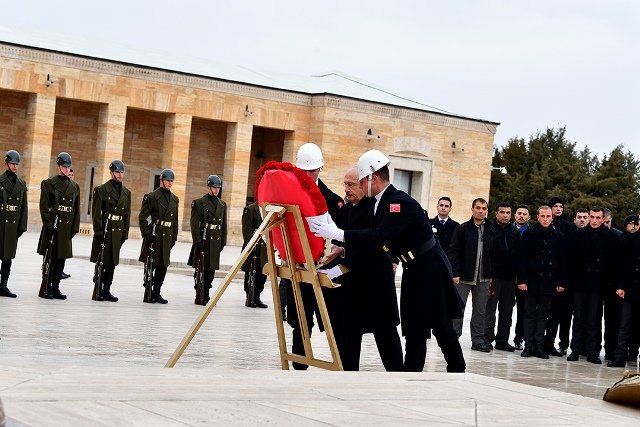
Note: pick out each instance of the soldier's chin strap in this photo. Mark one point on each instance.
(369, 180)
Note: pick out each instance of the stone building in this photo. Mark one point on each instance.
(100, 103)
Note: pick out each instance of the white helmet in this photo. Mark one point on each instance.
(370, 162)
(309, 157)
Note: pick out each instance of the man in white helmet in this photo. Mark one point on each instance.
(309, 159)
(428, 300)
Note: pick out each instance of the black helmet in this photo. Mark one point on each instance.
(214, 181)
(64, 159)
(167, 174)
(116, 166)
(12, 157)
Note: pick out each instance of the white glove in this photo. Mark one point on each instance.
(329, 230)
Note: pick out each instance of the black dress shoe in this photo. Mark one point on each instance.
(160, 300)
(527, 351)
(481, 347)
(573, 356)
(5, 292)
(64, 275)
(539, 352)
(617, 363)
(259, 304)
(594, 359)
(57, 294)
(505, 347)
(552, 351)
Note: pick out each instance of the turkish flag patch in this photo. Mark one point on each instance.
(394, 207)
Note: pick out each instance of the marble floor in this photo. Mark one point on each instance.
(81, 362)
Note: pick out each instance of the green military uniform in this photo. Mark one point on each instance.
(211, 213)
(164, 213)
(112, 203)
(13, 222)
(251, 220)
(117, 202)
(59, 196)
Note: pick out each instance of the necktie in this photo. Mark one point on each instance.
(442, 221)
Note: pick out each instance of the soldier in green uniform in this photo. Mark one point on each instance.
(59, 198)
(13, 217)
(112, 203)
(160, 210)
(251, 220)
(208, 215)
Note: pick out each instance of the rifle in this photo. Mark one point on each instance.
(45, 285)
(148, 266)
(251, 282)
(198, 275)
(98, 287)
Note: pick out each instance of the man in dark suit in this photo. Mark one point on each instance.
(443, 223)
(428, 300)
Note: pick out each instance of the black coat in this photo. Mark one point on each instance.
(369, 286)
(590, 259)
(541, 260)
(464, 251)
(444, 232)
(505, 253)
(13, 214)
(428, 298)
(629, 267)
(334, 202)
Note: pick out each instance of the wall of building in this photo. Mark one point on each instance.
(152, 119)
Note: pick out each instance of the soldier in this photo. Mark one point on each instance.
(13, 217)
(160, 211)
(251, 220)
(208, 214)
(112, 202)
(59, 198)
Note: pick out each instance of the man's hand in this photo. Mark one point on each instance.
(522, 286)
(328, 230)
(620, 293)
(559, 289)
(456, 280)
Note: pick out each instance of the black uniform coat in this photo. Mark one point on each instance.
(251, 220)
(505, 253)
(590, 259)
(334, 202)
(59, 196)
(210, 212)
(463, 251)
(13, 213)
(370, 289)
(428, 298)
(541, 260)
(629, 267)
(156, 207)
(444, 232)
(114, 200)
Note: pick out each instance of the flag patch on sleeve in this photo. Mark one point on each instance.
(394, 207)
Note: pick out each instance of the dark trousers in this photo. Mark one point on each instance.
(536, 310)
(159, 274)
(258, 284)
(57, 267)
(416, 349)
(387, 341)
(503, 300)
(629, 311)
(587, 323)
(310, 307)
(559, 319)
(612, 318)
(519, 316)
(5, 269)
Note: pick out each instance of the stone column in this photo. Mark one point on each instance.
(175, 155)
(37, 150)
(110, 143)
(236, 177)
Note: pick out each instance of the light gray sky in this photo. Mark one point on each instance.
(572, 63)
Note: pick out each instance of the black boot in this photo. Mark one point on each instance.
(156, 295)
(107, 295)
(258, 303)
(206, 295)
(55, 291)
(4, 291)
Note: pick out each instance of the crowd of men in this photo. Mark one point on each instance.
(562, 276)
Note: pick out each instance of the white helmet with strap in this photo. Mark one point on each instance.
(370, 162)
(309, 157)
